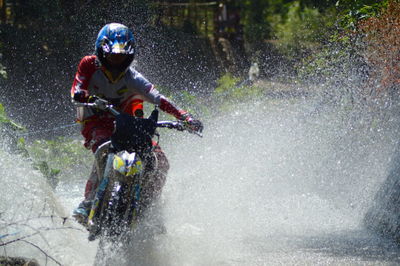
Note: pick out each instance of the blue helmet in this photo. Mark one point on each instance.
(115, 38)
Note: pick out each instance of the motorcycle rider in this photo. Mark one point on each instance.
(108, 74)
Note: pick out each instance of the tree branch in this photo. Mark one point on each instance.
(44, 252)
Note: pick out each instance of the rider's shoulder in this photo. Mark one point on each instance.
(89, 64)
(134, 74)
(136, 79)
(90, 60)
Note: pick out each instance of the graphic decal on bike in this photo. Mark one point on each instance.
(127, 164)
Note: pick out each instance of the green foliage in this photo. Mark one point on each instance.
(49, 173)
(324, 64)
(6, 122)
(345, 52)
(256, 28)
(230, 91)
(3, 116)
(21, 148)
(301, 31)
(60, 153)
(225, 84)
(16, 144)
(9, 131)
(351, 12)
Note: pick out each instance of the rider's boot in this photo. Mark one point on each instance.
(81, 213)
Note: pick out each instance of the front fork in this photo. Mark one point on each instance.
(93, 227)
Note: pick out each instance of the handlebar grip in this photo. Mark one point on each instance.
(171, 124)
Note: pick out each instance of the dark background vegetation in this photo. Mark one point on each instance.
(186, 46)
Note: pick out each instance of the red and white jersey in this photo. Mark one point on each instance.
(126, 94)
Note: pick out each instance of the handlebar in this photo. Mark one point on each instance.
(104, 105)
(100, 104)
(178, 125)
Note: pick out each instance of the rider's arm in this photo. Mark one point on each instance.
(169, 107)
(86, 68)
(152, 95)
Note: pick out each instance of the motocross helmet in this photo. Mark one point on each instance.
(115, 39)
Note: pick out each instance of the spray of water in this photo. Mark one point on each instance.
(32, 218)
(271, 182)
(268, 176)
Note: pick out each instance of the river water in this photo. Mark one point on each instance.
(278, 182)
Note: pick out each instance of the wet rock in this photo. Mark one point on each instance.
(383, 217)
(17, 261)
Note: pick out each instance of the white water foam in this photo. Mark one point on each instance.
(29, 206)
(270, 183)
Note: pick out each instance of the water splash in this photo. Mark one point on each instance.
(32, 218)
(273, 182)
(271, 172)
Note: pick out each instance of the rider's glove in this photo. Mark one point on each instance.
(80, 96)
(191, 123)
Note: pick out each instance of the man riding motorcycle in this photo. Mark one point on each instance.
(108, 74)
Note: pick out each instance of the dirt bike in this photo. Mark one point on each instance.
(124, 192)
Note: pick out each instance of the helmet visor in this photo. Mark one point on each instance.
(119, 48)
(116, 59)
